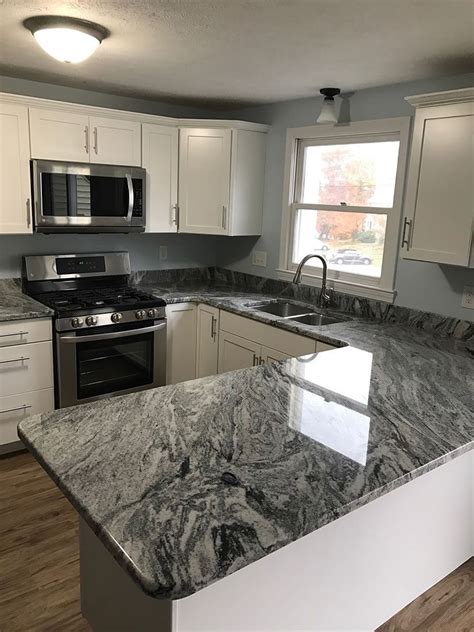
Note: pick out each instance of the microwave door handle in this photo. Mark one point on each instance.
(131, 197)
(115, 334)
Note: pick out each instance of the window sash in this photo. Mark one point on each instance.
(304, 143)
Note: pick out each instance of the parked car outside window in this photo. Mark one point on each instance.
(348, 256)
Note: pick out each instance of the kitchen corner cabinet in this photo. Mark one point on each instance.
(15, 201)
(439, 214)
(221, 176)
(181, 342)
(76, 137)
(160, 159)
(207, 340)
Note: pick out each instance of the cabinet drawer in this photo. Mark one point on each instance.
(14, 408)
(25, 368)
(20, 332)
(273, 337)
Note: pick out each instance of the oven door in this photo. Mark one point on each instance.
(117, 360)
(75, 197)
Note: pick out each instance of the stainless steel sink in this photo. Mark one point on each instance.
(316, 319)
(284, 309)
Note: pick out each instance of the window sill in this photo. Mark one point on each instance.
(345, 287)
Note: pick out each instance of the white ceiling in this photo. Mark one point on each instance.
(235, 52)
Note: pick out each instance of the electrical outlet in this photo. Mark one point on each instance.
(163, 253)
(468, 297)
(259, 258)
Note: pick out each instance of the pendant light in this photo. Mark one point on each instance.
(69, 40)
(328, 110)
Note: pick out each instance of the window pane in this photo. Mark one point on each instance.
(358, 174)
(350, 242)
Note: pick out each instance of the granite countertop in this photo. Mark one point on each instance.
(14, 305)
(305, 441)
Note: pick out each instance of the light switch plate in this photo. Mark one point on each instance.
(259, 258)
(468, 297)
(163, 253)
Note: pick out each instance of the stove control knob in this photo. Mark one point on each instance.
(91, 320)
(140, 314)
(152, 313)
(77, 322)
(116, 317)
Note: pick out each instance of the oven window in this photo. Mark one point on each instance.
(74, 195)
(109, 366)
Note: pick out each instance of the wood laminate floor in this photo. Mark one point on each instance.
(39, 565)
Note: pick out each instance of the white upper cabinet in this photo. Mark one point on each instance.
(74, 137)
(160, 159)
(59, 135)
(204, 180)
(114, 141)
(439, 213)
(221, 177)
(15, 207)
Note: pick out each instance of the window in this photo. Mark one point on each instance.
(343, 201)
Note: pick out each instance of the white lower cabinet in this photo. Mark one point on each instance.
(272, 355)
(236, 352)
(207, 340)
(14, 408)
(181, 342)
(26, 376)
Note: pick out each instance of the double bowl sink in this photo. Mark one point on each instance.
(298, 313)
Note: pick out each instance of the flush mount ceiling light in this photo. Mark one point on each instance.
(328, 111)
(70, 40)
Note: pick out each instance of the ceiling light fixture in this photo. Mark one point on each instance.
(328, 110)
(70, 40)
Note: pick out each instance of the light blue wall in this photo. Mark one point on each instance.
(183, 250)
(424, 286)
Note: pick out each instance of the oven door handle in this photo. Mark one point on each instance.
(115, 334)
(131, 197)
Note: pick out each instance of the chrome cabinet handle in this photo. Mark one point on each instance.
(131, 197)
(16, 333)
(213, 327)
(175, 209)
(12, 410)
(28, 213)
(255, 359)
(86, 135)
(72, 338)
(261, 361)
(96, 142)
(406, 240)
(22, 359)
(224, 217)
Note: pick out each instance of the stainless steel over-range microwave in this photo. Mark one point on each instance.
(76, 198)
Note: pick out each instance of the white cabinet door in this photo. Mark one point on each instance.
(440, 193)
(160, 159)
(207, 341)
(25, 368)
(15, 202)
(59, 135)
(14, 408)
(272, 355)
(181, 342)
(115, 141)
(204, 180)
(236, 352)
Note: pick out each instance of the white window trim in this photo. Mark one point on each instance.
(380, 289)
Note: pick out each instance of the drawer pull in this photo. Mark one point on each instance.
(12, 410)
(17, 333)
(22, 359)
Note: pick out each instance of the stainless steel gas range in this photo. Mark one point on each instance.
(109, 337)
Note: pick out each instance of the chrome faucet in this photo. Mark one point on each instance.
(324, 298)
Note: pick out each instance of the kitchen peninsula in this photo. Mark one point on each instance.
(316, 473)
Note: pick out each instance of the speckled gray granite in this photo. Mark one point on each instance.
(14, 305)
(186, 484)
